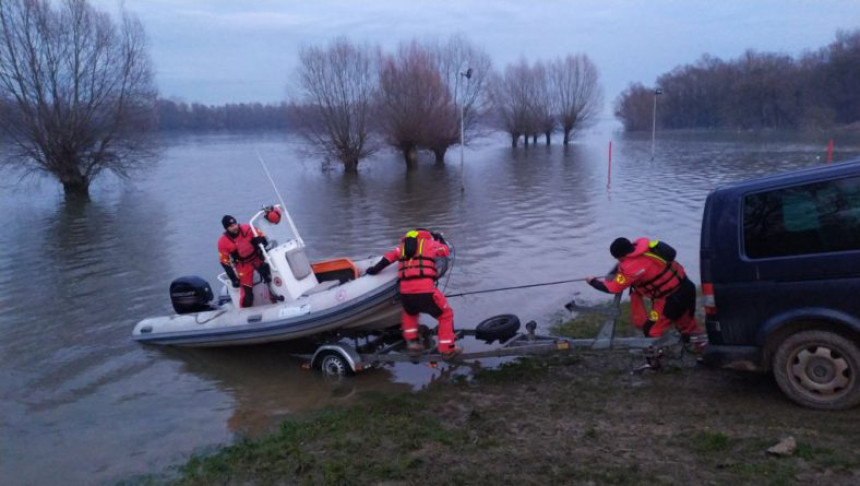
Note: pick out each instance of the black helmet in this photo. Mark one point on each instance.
(620, 247)
(227, 221)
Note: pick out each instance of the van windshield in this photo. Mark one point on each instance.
(813, 218)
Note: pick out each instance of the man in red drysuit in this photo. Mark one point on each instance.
(240, 255)
(649, 267)
(417, 272)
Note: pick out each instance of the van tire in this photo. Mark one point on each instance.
(819, 369)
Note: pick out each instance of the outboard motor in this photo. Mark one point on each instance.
(190, 294)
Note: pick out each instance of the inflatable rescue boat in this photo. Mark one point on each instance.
(303, 299)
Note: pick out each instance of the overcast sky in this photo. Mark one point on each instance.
(219, 51)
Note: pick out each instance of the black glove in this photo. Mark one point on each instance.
(231, 274)
(259, 240)
(597, 284)
(377, 267)
(439, 237)
(646, 328)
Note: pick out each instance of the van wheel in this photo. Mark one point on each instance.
(332, 364)
(818, 369)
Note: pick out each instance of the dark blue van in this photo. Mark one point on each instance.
(780, 264)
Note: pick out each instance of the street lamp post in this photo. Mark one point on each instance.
(468, 76)
(657, 92)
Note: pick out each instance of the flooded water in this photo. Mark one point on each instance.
(81, 403)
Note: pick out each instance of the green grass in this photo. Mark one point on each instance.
(587, 325)
(323, 448)
(708, 442)
(827, 457)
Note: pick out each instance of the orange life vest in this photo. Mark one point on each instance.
(417, 256)
(661, 279)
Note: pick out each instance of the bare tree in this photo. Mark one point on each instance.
(542, 104)
(510, 95)
(574, 84)
(339, 84)
(413, 100)
(465, 69)
(77, 89)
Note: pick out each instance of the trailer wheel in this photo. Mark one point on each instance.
(332, 364)
(501, 327)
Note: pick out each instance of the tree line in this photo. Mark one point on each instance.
(173, 115)
(758, 90)
(354, 100)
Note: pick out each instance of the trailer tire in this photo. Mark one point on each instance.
(501, 327)
(332, 364)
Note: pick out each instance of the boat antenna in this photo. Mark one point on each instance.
(281, 199)
(266, 170)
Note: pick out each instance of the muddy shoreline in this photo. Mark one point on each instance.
(579, 420)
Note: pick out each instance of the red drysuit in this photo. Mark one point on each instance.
(416, 270)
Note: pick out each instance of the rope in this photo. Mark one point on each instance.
(582, 279)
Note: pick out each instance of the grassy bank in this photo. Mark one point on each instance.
(538, 422)
(580, 420)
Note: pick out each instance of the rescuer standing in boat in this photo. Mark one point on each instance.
(240, 255)
(649, 267)
(417, 272)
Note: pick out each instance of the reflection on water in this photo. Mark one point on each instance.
(82, 403)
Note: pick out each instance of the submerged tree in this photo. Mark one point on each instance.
(413, 102)
(465, 70)
(77, 91)
(511, 96)
(575, 86)
(542, 104)
(530, 100)
(339, 83)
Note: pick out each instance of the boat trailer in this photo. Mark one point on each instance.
(338, 356)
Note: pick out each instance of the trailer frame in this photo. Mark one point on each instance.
(336, 357)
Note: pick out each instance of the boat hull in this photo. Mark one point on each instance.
(316, 314)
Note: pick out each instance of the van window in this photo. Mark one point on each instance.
(813, 218)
